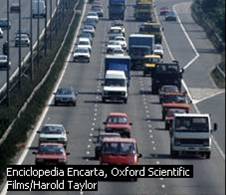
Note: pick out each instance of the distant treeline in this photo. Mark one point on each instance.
(215, 12)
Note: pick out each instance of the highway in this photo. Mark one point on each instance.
(145, 113)
(25, 27)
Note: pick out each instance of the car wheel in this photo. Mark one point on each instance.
(125, 101)
(207, 155)
(56, 103)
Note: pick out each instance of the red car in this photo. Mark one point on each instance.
(51, 154)
(119, 151)
(119, 123)
(164, 11)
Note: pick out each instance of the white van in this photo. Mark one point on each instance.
(38, 9)
(115, 86)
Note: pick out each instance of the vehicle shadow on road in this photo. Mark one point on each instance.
(145, 92)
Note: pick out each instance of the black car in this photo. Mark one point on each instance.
(15, 7)
(4, 24)
(66, 96)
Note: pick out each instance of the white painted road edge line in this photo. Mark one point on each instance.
(188, 38)
(43, 115)
(187, 89)
(209, 97)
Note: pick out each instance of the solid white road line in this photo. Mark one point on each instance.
(43, 115)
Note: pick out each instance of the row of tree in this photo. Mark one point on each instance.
(215, 12)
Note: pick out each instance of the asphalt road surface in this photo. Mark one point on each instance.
(145, 113)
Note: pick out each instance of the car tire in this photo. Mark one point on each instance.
(207, 155)
(125, 101)
(56, 103)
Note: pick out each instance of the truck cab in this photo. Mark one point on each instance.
(116, 9)
(191, 133)
(38, 9)
(143, 10)
(115, 86)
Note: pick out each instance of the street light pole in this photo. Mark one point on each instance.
(50, 11)
(38, 31)
(19, 59)
(31, 41)
(8, 56)
(45, 42)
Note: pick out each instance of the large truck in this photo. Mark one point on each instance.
(116, 9)
(118, 62)
(153, 29)
(144, 10)
(139, 46)
(191, 133)
(166, 74)
(115, 86)
(38, 9)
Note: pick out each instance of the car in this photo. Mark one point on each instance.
(84, 43)
(171, 111)
(116, 31)
(112, 45)
(118, 51)
(3, 63)
(94, 15)
(164, 11)
(90, 21)
(1, 33)
(158, 50)
(15, 7)
(81, 55)
(122, 41)
(119, 24)
(167, 89)
(98, 9)
(53, 133)
(51, 154)
(171, 16)
(65, 96)
(99, 142)
(86, 35)
(119, 151)
(90, 29)
(4, 24)
(119, 123)
(22, 39)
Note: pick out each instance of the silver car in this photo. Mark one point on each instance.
(65, 96)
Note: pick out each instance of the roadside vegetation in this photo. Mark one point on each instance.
(25, 123)
(211, 16)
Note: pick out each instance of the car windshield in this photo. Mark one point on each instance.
(195, 124)
(159, 47)
(172, 111)
(88, 27)
(52, 130)
(83, 43)
(169, 89)
(115, 82)
(174, 99)
(107, 135)
(117, 120)
(50, 149)
(81, 50)
(167, 68)
(119, 148)
(64, 91)
(118, 51)
(113, 43)
(152, 60)
(119, 38)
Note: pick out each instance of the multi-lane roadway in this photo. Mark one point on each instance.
(145, 113)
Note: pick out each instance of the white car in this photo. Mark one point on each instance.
(24, 41)
(3, 62)
(1, 33)
(119, 25)
(158, 50)
(93, 14)
(89, 29)
(122, 41)
(85, 43)
(81, 55)
(111, 48)
(53, 133)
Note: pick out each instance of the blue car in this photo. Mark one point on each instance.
(171, 16)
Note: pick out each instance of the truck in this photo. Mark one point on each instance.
(38, 9)
(117, 9)
(115, 86)
(144, 10)
(191, 134)
(152, 28)
(166, 74)
(139, 46)
(118, 62)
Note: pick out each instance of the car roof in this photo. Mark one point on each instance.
(119, 139)
(118, 114)
(176, 105)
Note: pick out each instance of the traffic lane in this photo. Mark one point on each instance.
(208, 55)
(216, 107)
(25, 26)
(212, 183)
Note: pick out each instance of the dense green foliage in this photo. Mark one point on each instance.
(215, 12)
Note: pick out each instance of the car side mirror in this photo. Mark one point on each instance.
(140, 155)
(215, 127)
